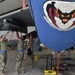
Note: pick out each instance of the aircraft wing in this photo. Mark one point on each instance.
(12, 10)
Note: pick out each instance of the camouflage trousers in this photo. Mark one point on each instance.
(3, 60)
(19, 60)
(32, 62)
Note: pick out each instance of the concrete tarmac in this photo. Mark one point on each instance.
(41, 63)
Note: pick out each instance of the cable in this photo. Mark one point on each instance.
(58, 61)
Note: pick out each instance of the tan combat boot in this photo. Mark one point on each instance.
(2, 72)
(16, 73)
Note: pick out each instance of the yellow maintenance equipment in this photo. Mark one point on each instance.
(36, 57)
(49, 72)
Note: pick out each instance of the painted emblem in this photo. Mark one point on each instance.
(60, 14)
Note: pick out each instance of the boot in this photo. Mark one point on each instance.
(16, 73)
(22, 70)
(2, 72)
(32, 64)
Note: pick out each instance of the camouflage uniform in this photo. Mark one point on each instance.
(20, 55)
(31, 56)
(3, 55)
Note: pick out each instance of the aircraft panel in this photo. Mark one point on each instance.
(9, 5)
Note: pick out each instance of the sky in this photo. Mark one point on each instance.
(14, 35)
